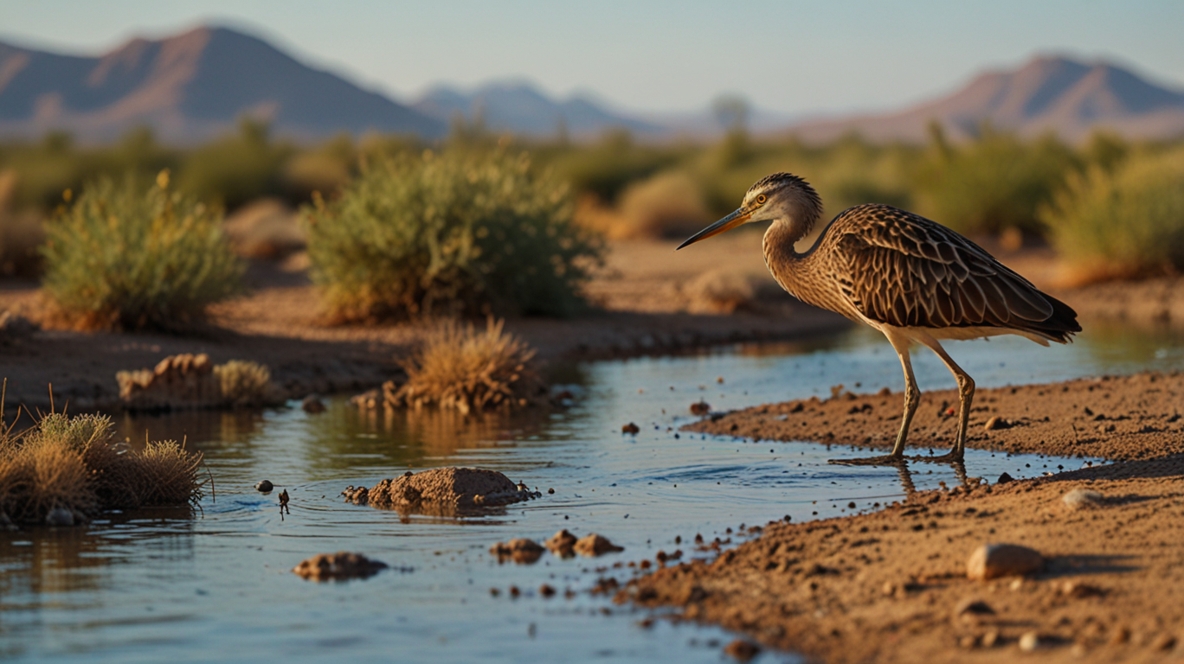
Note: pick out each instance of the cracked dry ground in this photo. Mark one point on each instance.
(891, 585)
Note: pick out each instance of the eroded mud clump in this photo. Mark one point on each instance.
(441, 491)
(338, 566)
(189, 381)
(521, 550)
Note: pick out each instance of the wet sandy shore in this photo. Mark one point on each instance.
(891, 585)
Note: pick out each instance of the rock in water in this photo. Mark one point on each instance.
(991, 561)
(562, 544)
(521, 550)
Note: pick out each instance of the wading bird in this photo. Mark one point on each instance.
(912, 279)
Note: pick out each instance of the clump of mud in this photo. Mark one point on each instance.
(443, 491)
(338, 566)
(189, 381)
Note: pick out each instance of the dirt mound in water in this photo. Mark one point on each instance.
(441, 491)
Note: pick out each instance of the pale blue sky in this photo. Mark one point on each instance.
(669, 55)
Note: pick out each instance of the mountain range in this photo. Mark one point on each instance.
(196, 85)
(1047, 94)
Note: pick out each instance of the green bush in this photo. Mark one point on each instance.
(1125, 222)
(458, 232)
(994, 183)
(123, 257)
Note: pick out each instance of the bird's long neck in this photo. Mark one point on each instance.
(784, 261)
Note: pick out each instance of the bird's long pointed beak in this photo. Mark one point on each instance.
(726, 224)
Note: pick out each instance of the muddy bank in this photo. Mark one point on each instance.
(892, 585)
(1124, 417)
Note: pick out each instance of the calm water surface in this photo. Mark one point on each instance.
(216, 586)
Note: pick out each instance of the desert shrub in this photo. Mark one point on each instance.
(21, 231)
(76, 464)
(994, 183)
(466, 232)
(122, 256)
(237, 168)
(468, 370)
(668, 204)
(1125, 222)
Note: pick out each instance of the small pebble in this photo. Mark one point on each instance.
(547, 590)
(974, 606)
(997, 422)
(1004, 479)
(263, 486)
(741, 650)
(630, 428)
(312, 404)
(595, 545)
(1029, 641)
(991, 561)
(700, 408)
(59, 516)
(1082, 499)
(990, 639)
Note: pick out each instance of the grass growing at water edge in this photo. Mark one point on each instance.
(67, 469)
(462, 368)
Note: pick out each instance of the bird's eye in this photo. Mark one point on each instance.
(760, 200)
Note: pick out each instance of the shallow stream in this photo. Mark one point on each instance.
(216, 586)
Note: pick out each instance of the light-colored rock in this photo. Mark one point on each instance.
(1082, 499)
(1029, 641)
(991, 561)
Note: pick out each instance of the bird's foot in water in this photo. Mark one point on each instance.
(885, 460)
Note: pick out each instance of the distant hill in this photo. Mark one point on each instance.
(1047, 94)
(521, 109)
(188, 88)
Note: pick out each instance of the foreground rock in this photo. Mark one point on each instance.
(442, 491)
(891, 586)
(991, 561)
(338, 566)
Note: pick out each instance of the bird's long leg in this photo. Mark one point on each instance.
(965, 398)
(912, 398)
(912, 395)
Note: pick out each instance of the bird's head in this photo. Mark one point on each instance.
(777, 196)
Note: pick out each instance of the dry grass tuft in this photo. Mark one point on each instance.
(243, 383)
(164, 473)
(468, 370)
(75, 464)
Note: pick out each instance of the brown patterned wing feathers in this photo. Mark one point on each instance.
(907, 271)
